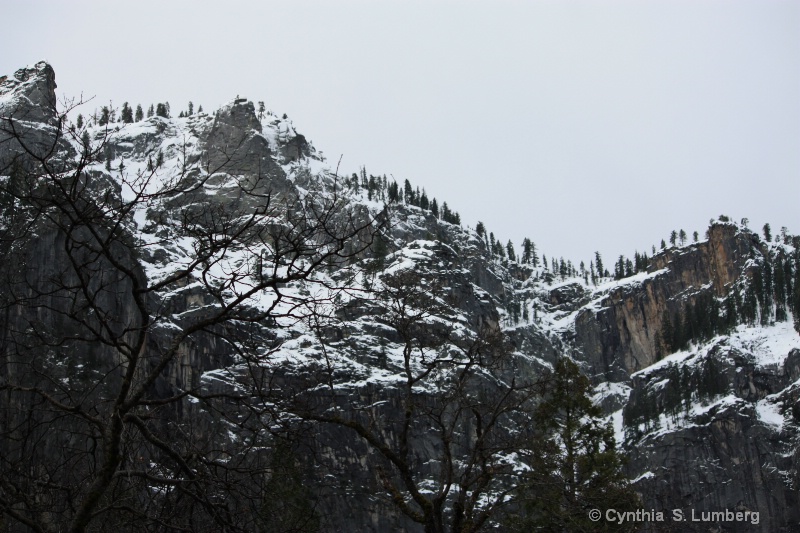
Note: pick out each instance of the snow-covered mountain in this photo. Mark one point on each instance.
(220, 268)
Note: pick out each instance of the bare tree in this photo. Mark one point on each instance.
(454, 389)
(144, 312)
(127, 396)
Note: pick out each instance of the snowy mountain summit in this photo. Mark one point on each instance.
(205, 327)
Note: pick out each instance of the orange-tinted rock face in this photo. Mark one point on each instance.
(622, 336)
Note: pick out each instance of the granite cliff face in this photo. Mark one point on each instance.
(622, 336)
(29, 97)
(710, 420)
(31, 93)
(739, 452)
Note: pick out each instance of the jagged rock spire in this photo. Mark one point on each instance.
(30, 94)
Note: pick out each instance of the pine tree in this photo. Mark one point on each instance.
(408, 193)
(480, 229)
(682, 237)
(526, 251)
(619, 268)
(780, 291)
(510, 250)
(672, 392)
(767, 233)
(573, 462)
(423, 200)
(139, 113)
(667, 334)
(150, 111)
(85, 141)
(673, 237)
(127, 113)
(731, 315)
(598, 262)
(680, 339)
(749, 307)
(392, 191)
(534, 255)
(161, 110)
(787, 277)
(105, 116)
(696, 236)
(766, 307)
(199, 109)
(288, 504)
(379, 251)
(434, 207)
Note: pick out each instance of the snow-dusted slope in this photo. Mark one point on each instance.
(710, 425)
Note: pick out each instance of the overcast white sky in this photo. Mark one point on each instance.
(583, 125)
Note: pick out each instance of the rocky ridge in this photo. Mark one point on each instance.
(710, 427)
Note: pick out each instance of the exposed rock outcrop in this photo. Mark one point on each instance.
(621, 334)
(30, 94)
(29, 99)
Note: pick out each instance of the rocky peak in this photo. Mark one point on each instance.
(235, 143)
(240, 114)
(32, 92)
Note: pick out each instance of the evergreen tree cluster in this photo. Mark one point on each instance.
(769, 295)
(625, 268)
(379, 188)
(515, 311)
(675, 395)
(773, 289)
(162, 110)
(528, 255)
(699, 320)
(127, 115)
